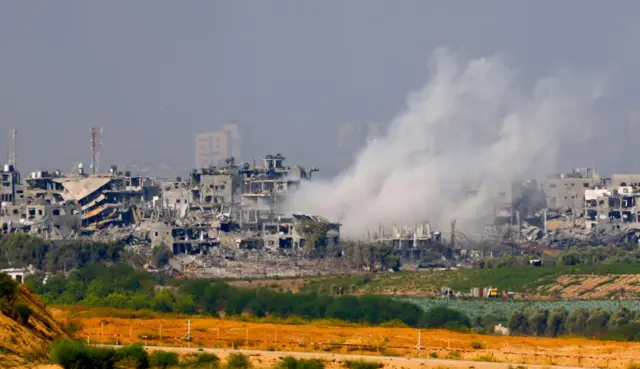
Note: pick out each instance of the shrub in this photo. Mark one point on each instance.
(23, 311)
(164, 359)
(444, 317)
(8, 286)
(75, 355)
(5, 307)
(361, 364)
(433, 355)
(477, 345)
(238, 361)
(134, 356)
(72, 327)
(204, 361)
(291, 362)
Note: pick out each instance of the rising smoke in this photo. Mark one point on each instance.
(470, 127)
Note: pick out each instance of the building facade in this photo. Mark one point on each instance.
(214, 148)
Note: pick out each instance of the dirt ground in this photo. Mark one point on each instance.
(596, 287)
(288, 284)
(221, 333)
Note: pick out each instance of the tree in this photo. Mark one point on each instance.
(537, 321)
(8, 286)
(444, 317)
(596, 324)
(620, 317)
(161, 256)
(518, 323)
(576, 322)
(556, 322)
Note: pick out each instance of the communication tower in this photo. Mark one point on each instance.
(96, 145)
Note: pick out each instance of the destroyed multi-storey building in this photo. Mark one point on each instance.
(566, 191)
(241, 198)
(611, 207)
(293, 232)
(235, 206)
(54, 205)
(265, 187)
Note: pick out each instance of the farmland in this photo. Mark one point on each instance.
(502, 309)
(533, 282)
(165, 330)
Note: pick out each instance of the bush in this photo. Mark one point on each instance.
(238, 361)
(291, 362)
(75, 355)
(361, 364)
(444, 317)
(72, 327)
(204, 361)
(164, 359)
(23, 312)
(8, 286)
(134, 356)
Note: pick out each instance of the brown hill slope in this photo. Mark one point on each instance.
(22, 343)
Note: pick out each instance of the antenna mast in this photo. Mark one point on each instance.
(96, 145)
(12, 153)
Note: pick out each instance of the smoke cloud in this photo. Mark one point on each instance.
(472, 126)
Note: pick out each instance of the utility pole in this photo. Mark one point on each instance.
(452, 246)
(188, 336)
(518, 223)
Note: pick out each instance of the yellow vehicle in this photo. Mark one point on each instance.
(493, 292)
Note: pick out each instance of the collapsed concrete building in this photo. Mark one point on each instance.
(241, 200)
(53, 205)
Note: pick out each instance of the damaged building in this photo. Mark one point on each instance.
(53, 205)
(292, 233)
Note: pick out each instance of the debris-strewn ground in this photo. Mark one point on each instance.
(226, 263)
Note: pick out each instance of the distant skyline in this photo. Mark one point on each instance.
(154, 74)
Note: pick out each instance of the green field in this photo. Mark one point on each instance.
(424, 282)
(503, 308)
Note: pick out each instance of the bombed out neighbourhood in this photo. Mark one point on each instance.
(230, 218)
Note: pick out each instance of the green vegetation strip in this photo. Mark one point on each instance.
(518, 279)
(120, 286)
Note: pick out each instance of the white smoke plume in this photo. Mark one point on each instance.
(470, 126)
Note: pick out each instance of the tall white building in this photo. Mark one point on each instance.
(213, 148)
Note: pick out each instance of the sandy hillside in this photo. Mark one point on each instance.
(22, 344)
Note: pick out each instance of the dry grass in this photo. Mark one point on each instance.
(223, 333)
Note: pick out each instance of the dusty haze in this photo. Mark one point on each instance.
(473, 125)
(155, 73)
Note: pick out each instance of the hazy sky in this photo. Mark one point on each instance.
(155, 73)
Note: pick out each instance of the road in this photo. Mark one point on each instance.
(402, 362)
